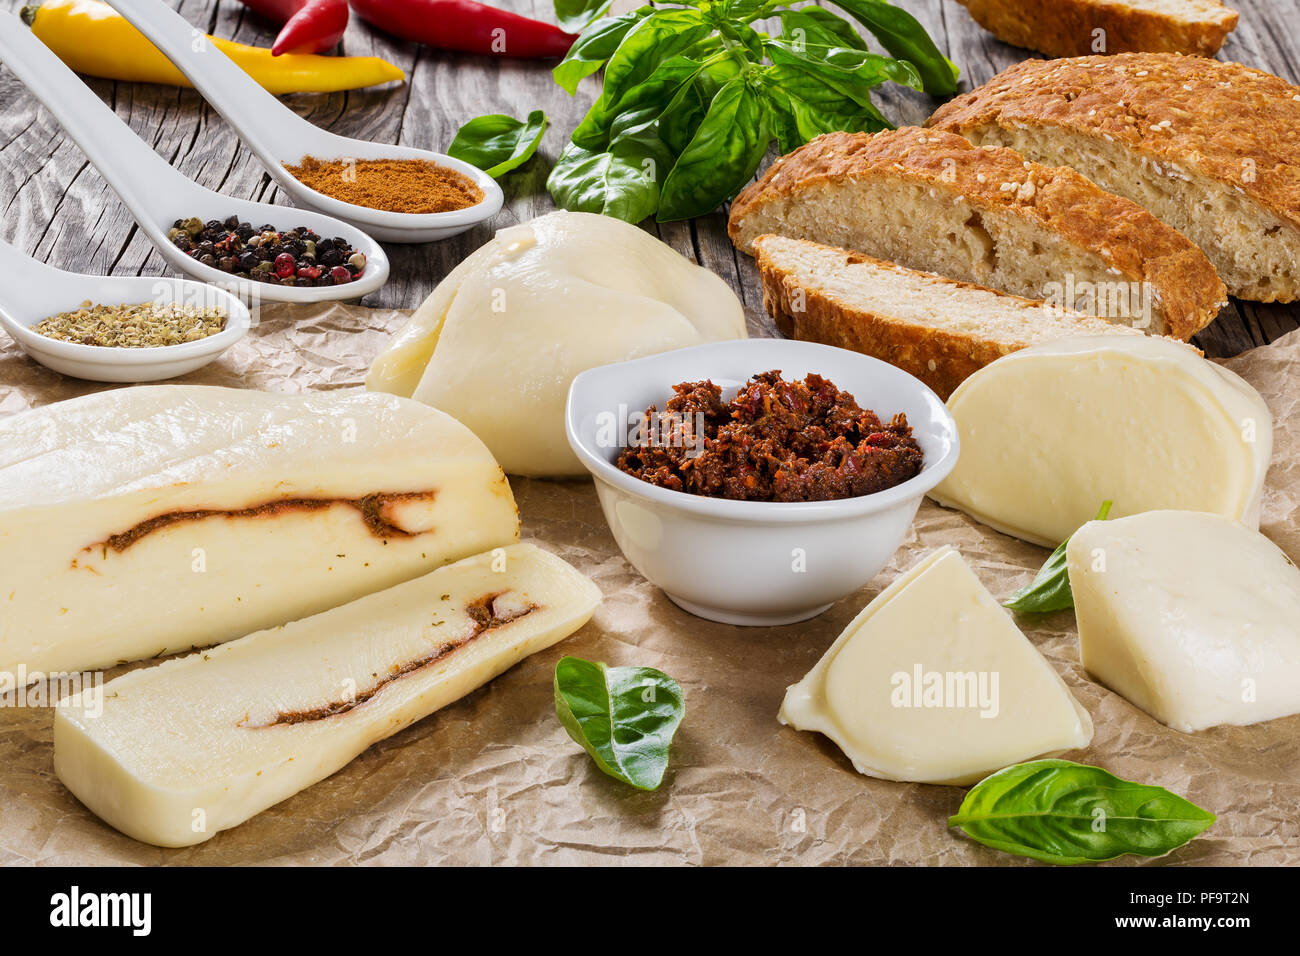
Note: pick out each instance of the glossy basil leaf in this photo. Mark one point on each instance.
(624, 717)
(622, 181)
(574, 15)
(659, 37)
(593, 132)
(815, 107)
(819, 26)
(497, 143)
(744, 10)
(1050, 588)
(903, 36)
(594, 47)
(855, 73)
(686, 110)
(721, 157)
(1063, 812)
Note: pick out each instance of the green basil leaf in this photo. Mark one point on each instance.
(657, 38)
(497, 143)
(853, 72)
(686, 110)
(593, 132)
(622, 181)
(1063, 812)
(1050, 588)
(903, 36)
(624, 717)
(720, 158)
(819, 26)
(596, 45)
(574, 15)
(815, 107)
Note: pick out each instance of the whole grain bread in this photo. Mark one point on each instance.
(929, 200)
(938, 329)
(1212, 149)
(1081, 27)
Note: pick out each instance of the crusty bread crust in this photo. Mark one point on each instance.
(1065, 27)
(939, 358)
(1226, 121)
(1129, 239)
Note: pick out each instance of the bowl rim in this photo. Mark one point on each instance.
(238, 323)
(773, 512)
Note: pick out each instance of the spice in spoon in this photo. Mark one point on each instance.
(140, 325)
(266, 254)
(391, 185)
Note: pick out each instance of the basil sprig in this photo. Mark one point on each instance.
(1050, 588)
(624, 717)
(573, 15)
(497, 143)
(708, 92)
(1063, 812)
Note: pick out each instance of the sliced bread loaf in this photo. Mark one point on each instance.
(930, 200)
(1080, 27)
(1212, 149)
(938, 329)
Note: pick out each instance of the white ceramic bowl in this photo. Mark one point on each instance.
(98, 363)
(752, 562)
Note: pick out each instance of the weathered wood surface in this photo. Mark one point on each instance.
(58, 208)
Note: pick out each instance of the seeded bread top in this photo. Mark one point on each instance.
(1131, 240)
(1227, 121)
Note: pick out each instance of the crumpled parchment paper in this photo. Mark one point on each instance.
(495, 779)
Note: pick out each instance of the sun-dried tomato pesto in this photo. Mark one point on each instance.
(775, 441)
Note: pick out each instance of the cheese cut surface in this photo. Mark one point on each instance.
(149, 520)
(1191, 616)
(194, 746)
(499, 340)
(932, 682)
(1050, 432)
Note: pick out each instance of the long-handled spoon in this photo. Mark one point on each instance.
(278, 135)
(157, 194)
(33, 291)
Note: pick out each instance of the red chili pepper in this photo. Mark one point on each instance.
(310, 26)
(465, 25)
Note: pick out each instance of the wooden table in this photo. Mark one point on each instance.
(57, 207)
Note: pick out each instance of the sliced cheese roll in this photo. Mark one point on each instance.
(1051, 432)
(145, 521)
(933, 682)
(175, 753)
(1191, 616)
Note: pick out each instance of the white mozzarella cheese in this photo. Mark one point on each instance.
(175, 753)
(933, 682)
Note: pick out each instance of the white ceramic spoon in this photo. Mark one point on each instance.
(278, 135)
(157, 194)
(32, 291)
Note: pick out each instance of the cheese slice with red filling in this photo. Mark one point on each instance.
(145, 521)
(175, 753)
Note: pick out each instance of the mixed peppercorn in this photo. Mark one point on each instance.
(265, 254)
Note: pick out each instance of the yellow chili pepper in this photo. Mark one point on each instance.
(94, 39)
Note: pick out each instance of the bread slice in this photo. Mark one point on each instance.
(1212, 149)
(1080, 27)
(938, 329)
(930, 200)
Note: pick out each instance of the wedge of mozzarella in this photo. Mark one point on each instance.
(1050, 432)
(1190, 616)
(149, 520)
(933, 682)
(173, 754)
